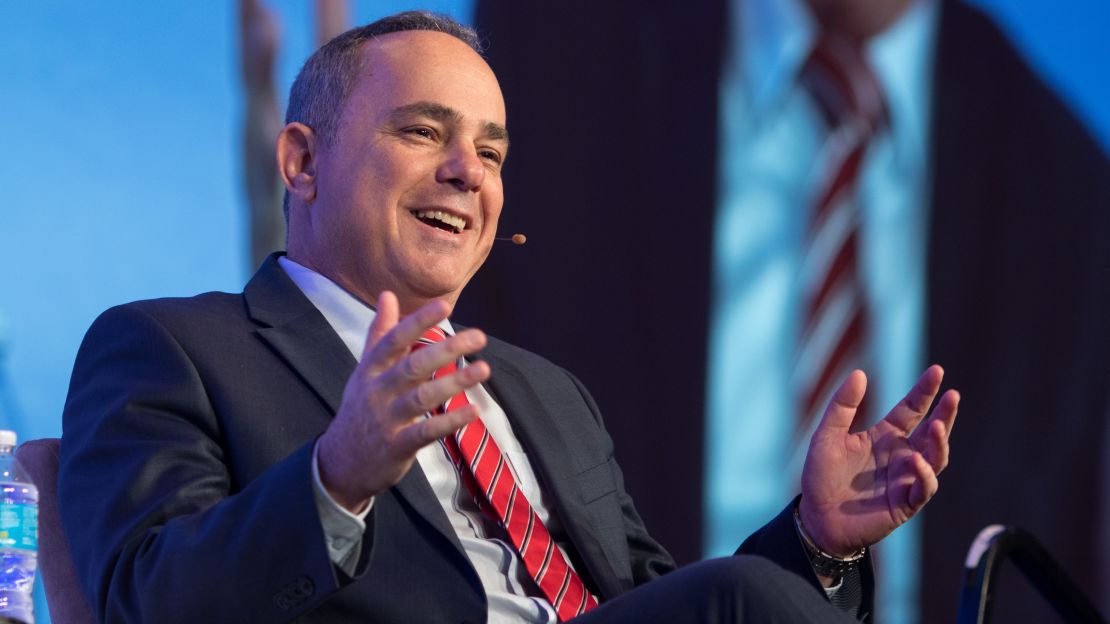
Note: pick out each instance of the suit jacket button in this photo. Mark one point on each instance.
(304, 587)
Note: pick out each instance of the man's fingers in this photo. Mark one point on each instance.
(423, 432)
(946, 410)
(419, 366)
(932, 437)
(431, 394)
(399, 336)
(911, 409)
(388, 312)
(925, 485)
(845, 401)
(936, 446)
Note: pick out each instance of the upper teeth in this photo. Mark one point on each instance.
(456, 222)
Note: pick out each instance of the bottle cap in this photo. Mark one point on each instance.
(7, 438)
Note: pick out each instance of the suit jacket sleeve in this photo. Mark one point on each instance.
(779, 542)
(159, 531)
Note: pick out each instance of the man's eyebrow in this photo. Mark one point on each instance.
(497, 132)
(441, 113)
(437, 112)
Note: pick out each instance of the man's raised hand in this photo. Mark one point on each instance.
(374, 438)
(858, 487)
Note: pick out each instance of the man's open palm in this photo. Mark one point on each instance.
(858, 487)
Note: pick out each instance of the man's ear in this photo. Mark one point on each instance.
(296, 159)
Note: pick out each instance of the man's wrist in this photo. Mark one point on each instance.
(326, 470)
(825, 564)
(358, 513)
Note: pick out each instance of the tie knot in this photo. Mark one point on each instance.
(839, 78)
(432, 335)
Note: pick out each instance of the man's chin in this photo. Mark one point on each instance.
(427, 277)
(416, 294)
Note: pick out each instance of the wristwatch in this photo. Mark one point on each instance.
(823, 563)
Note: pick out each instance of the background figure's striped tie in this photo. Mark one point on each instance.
(835, 319)
(486, 474)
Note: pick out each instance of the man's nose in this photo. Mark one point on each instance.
(463, 168)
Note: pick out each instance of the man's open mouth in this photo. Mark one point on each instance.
(442, 220)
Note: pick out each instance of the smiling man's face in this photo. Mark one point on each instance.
(408, 192)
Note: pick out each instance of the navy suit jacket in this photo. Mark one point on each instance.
(186, 483)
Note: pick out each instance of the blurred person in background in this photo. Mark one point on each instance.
(971, 209)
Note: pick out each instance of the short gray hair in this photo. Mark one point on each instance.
(328, 76)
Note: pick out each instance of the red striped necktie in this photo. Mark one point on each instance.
(484, 471)
(835, 315)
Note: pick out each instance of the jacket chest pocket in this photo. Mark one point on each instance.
(597, 481)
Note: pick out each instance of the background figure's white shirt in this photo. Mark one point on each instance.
(512, 594)
(772, 132)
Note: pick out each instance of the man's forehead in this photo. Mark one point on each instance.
(420, 47)
(430, 73)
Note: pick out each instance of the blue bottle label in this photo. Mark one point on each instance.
(19, 526)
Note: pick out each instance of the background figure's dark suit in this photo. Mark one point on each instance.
(187, 489)
(614, 180)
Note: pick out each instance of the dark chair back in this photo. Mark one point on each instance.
(64, 596)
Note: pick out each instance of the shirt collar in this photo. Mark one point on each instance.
(347, 315)
(902, 58)
(775, 37)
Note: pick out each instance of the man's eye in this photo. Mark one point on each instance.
(490, 155)
(421, 131)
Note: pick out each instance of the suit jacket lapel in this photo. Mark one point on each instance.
(542, 435)
(302, 337)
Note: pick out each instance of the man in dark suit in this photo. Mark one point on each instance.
(216, 449)
(1017, 208)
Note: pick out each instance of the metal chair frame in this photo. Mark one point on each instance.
(995, 544)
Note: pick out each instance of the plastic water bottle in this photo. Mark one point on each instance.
(19, 534)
